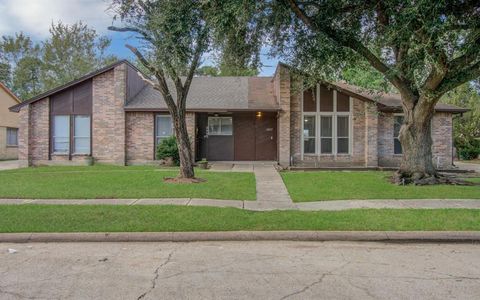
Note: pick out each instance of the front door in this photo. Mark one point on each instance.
(266, 137)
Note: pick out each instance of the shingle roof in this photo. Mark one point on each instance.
(389, 102)
(214, 93)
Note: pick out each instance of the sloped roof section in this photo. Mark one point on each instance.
(388, 102)
(213, 94)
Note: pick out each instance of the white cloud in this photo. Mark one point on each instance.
(34, 17)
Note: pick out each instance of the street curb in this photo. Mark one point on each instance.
(367, 236)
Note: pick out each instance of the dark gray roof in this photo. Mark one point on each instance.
(214, 94)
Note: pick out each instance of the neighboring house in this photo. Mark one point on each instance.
(114, 116)
(8, 124)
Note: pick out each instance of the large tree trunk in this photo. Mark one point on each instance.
(415, 136)
(184, 148)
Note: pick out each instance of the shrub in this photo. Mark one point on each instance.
(168, 148)
(468, 150)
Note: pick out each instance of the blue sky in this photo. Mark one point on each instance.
(34, 18)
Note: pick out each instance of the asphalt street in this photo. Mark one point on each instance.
(239, 270)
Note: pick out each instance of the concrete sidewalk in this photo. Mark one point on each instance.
(266, 205)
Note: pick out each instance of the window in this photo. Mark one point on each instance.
(333, 120)
(342, 134)
(164, 128)
(12, 137)
(309, 134)
(220, 126)
(397, 124)
(81, 137)
(61, 134)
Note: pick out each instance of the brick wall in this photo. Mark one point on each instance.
(140, 137)
(442, 132)
(39, 132)
(371, 134)
(441, 137)
(108, 116)
(282, 88)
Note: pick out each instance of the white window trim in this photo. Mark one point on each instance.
(220, 126)
(334, 115)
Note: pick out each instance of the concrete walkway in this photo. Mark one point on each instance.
(462, 165)
(279, 203)
(9, 165)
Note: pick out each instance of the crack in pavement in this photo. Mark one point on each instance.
(157, 274)
(306, 288)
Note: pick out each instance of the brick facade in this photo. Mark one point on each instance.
(108, 116)
(121, 137)
(140, 137)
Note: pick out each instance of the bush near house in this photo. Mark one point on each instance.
(468, 150)
(168, 148)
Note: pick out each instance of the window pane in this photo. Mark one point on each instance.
(213, 126)
(82, 145)
(326, 126)
(309, 103)
(12, 136)
(81, 138)
(342, 126)
(326, 145)
(343, 102)
(397, 146)
(309, 126)
(342, 145)
(82, 126)
(397, 123)
(62, 126)
(226, 126)
(309, 145)
(164, 126)
(61, 134)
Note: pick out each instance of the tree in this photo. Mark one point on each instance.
(72, 51)
(21, 65)
(239, 26)
(207, 71)
(174, 35)
(423, 48)
(466, 126)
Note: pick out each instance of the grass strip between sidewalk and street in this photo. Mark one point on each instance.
(132, 182)
(58, 218)
(342, 185)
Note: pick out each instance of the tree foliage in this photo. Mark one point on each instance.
(29, 68)
(423, 48)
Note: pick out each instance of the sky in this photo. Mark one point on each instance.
(34, 17)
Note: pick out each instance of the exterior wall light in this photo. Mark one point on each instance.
(259, 114)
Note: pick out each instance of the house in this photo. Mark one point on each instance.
(8, 124)
(116, 117)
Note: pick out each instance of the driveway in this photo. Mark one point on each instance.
(240, 270)
(9, 164)
(463, 165)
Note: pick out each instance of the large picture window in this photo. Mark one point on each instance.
(12, 137)
(331, 134)
(220, 126)
(397, 124)
(61, 134)
(164, 128)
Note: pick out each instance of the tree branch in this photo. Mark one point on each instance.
(458, 78)
(145, 35)
(357, 46)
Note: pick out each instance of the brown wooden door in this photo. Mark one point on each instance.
(266, 137)
(244, 129)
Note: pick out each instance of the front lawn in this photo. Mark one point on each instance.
(102, 181)
(339, 185)
(58, 218)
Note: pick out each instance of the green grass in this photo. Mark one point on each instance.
(58, 218)
(102, 181)
(338, 185)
